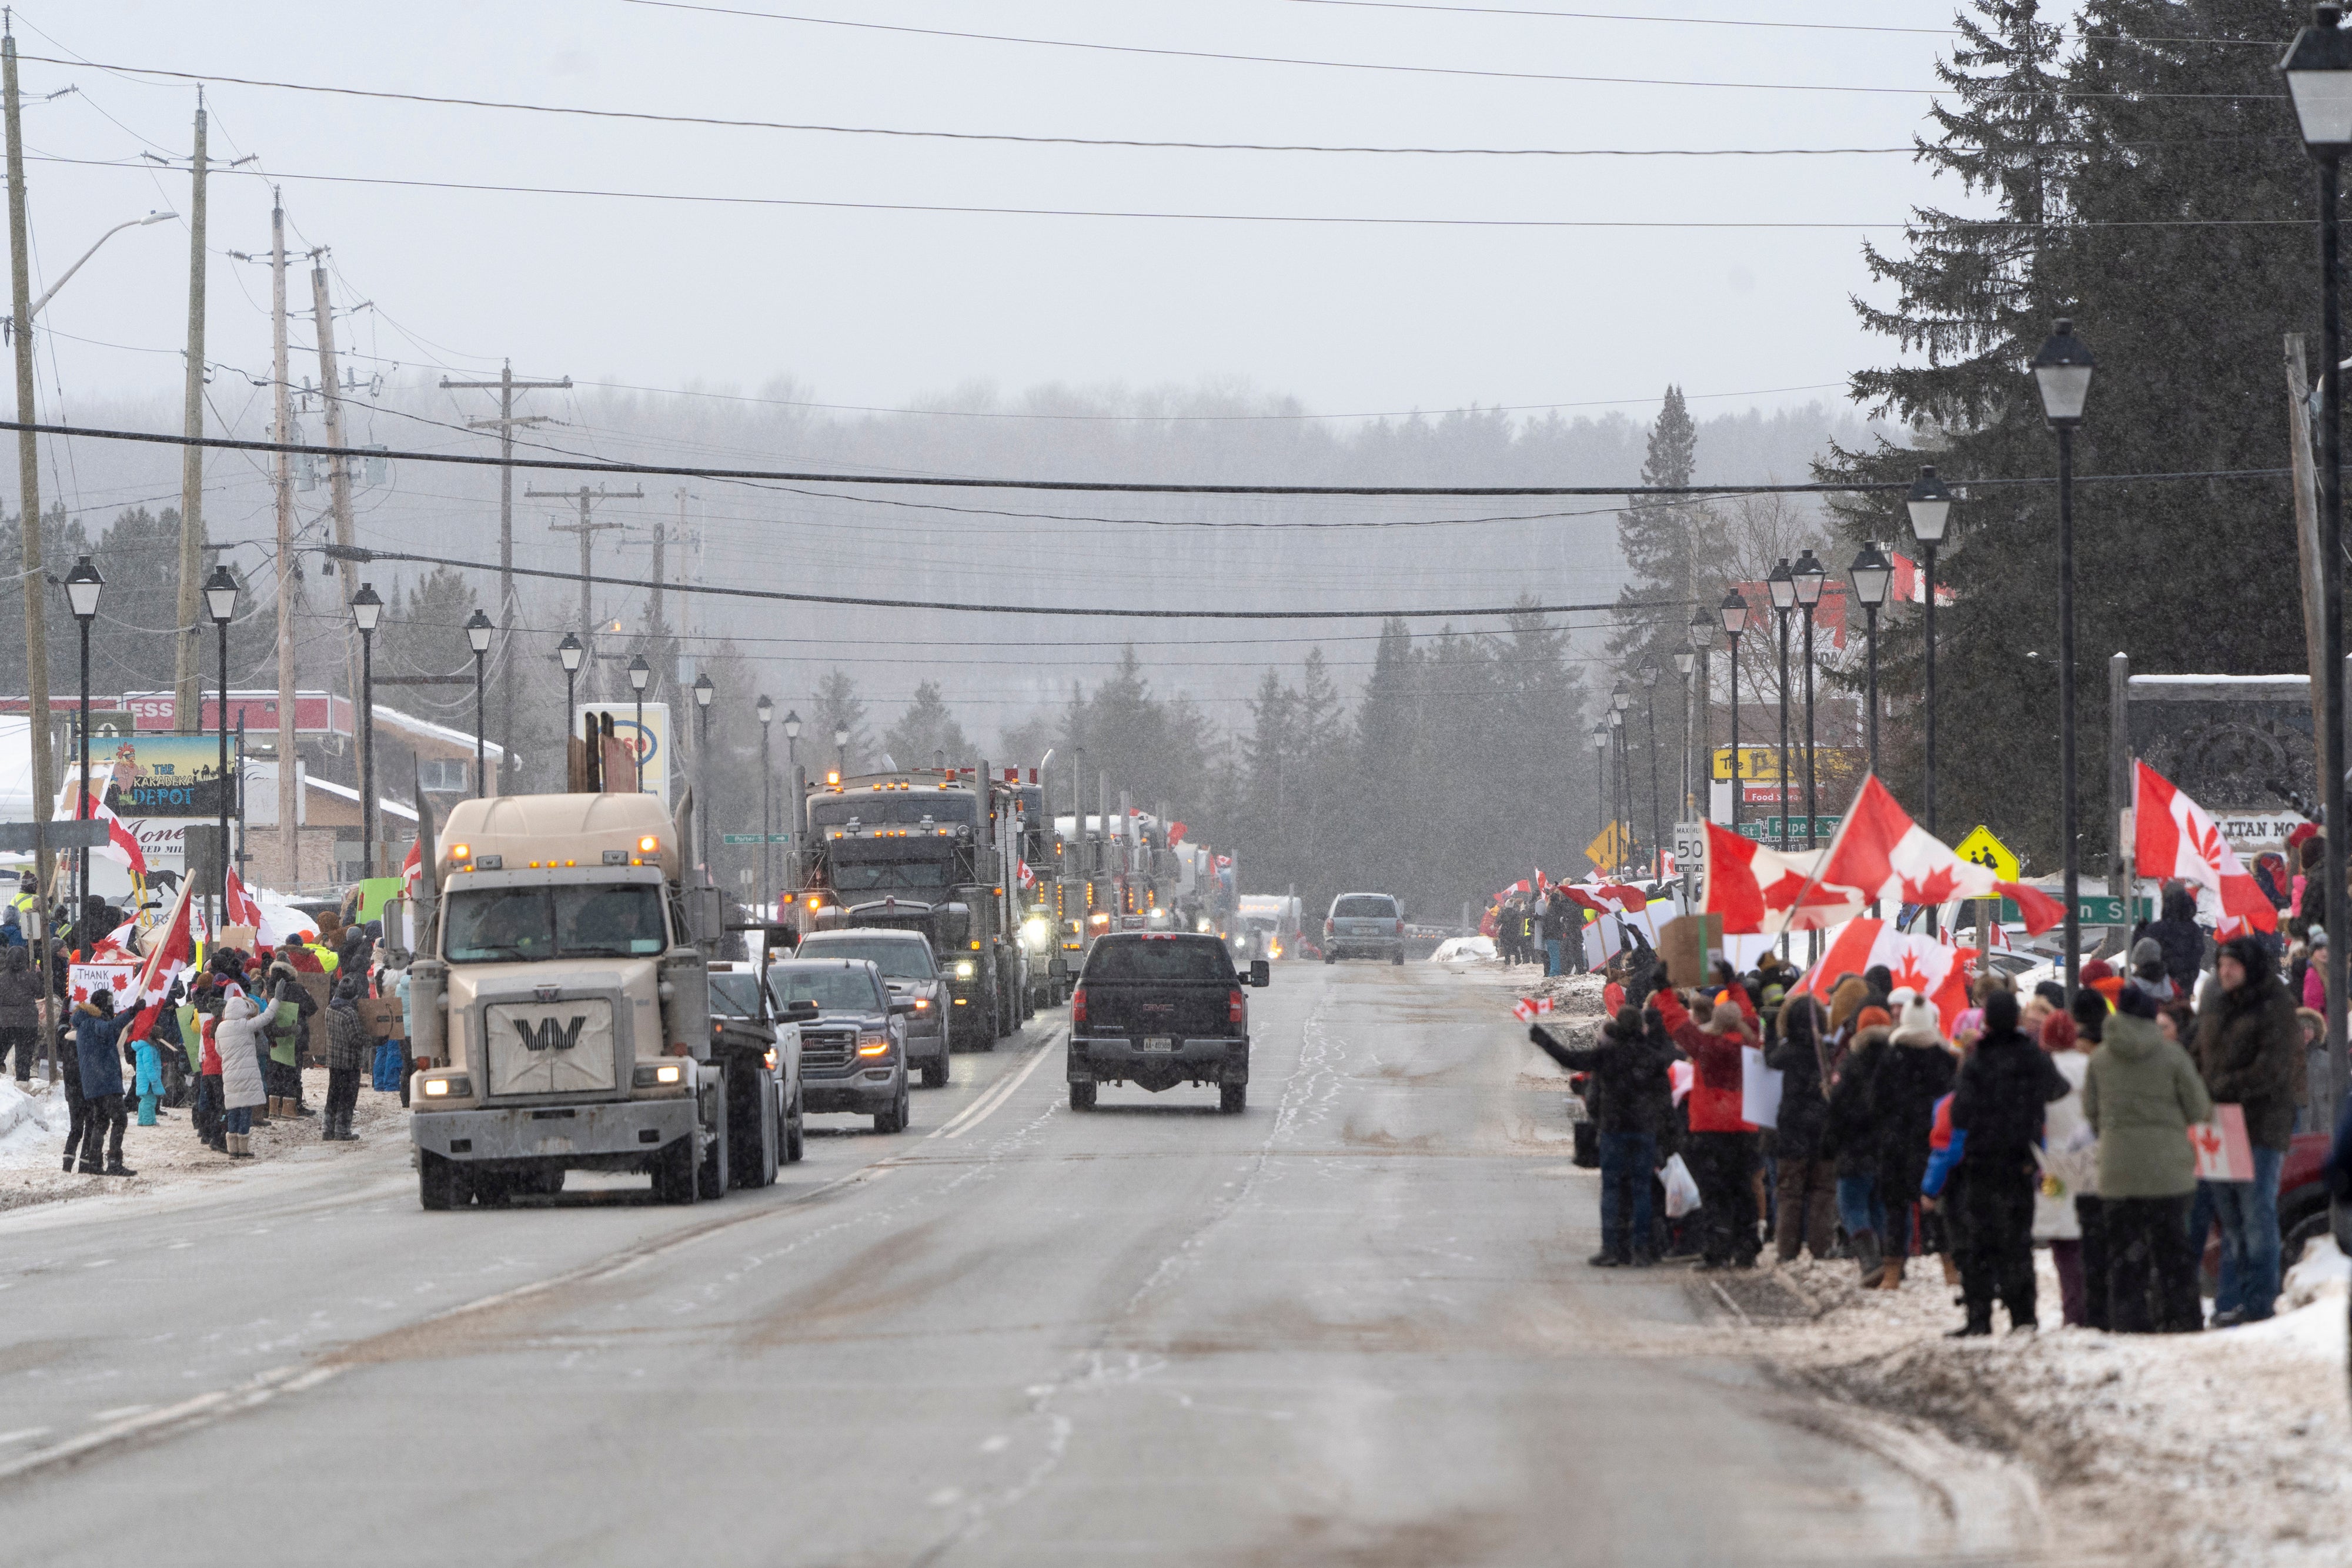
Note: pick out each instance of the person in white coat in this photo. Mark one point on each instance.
(238, 1035)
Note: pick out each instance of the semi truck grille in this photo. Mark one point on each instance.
(550, 1048)
(826, 1051)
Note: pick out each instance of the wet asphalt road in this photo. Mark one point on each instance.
(1351, 1326)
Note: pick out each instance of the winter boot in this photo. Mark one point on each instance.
(1978, 1326)
(240, 1146)
(116, 1167)
(90, 1161)
(344, 1133)
(1890, 1277)
(1866, 1257)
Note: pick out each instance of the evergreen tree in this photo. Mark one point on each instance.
(928, 733)
(835, 709)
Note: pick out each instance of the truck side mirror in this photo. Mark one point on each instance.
(798, 1012)
(900, 1009)
(1261, 972)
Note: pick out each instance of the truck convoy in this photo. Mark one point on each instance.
(561, 1009)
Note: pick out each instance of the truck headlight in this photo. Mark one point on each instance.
(965, 969)
(657, 1074)
(458, 1088)
(873, 1043)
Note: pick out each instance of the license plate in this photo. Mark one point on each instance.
(1158, 1042)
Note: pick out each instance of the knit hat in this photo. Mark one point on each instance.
(2136, 1001)
(2316, 937)
(2089, 1007)
(2000, 1013)
(2058, 1032)
(2146, 951)
(2097, 969)
(1917, 1024)
(1871, 1018)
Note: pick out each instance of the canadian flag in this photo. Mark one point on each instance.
(122, 845)
(165, 958)
(1526, 1008)
(1028, 878)
(1602, 897)
(240, 907)
(412, 868)
(1882, 854)
(2174, 838)
(1919, 963)
(1757, 890)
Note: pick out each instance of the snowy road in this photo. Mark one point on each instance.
(1351, 1326)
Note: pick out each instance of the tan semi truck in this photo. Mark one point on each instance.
(561, 1015)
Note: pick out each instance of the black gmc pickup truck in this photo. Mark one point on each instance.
(1159, 1008)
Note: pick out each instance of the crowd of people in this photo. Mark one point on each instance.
(226, 1046)
(2030, 1121)
(1545, 927)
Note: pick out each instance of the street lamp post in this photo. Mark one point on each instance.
(1735, 621)
(2318, 71)
(703, 692)
(1808, 575)
(640, 672)
(1685, 663)
(367, 609)
(793, 777)
(220, 599)
(841, 749)
(1700, 766)
(1782, 587)
(1930, 505)
(478, 632)
(1621, 800)
(1600, 780)
(1649, 676)
(767, 711)
(1871, 573)
(570, 651)
(83, 586)
(2061, 373)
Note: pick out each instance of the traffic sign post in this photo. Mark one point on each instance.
(1690, 854)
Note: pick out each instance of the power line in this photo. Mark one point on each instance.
(1370, 64)
(1748, 22)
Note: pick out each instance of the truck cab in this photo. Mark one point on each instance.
(562, 1013)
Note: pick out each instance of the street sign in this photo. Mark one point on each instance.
(1690, 857)
(1605, 850)
(1767, 830)
(2097, 909)
(1985, 850)
(754, 837)
(17, 838)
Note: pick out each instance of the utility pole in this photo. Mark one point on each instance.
(187, 661)
(587, 530)
(28, 469)
(508, 608)
(339, 493)
(288, 839)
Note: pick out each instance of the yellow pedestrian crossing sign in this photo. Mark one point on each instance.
(1985, 850)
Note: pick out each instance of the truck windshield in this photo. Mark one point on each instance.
(834, 988)
(898, 960)
(526, 924)
(735, 996)
(1160, 959)
(850, 876)
(892, 809)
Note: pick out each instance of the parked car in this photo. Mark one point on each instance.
(1364, 926)
(853, 1050)
(912, 973)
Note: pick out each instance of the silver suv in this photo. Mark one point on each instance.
(1364, 926)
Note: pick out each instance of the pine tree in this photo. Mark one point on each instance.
(838, 707)
(928, 733)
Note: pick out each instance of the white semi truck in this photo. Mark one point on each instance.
(561, 1015)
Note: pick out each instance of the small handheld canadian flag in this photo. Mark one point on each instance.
(1526, 1008)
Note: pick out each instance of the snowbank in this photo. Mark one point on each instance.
(32, 1127)
(1465, 950)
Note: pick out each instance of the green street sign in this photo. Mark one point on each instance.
(1767, 830)
(2096, 909)
(754, 839)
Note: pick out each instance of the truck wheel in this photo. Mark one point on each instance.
(495, 1191)
(894, 1119)
(1082, 1095)
(796, 1132)
(673, 1171)
(711, 1179)
(1232, 1098)
(935, 1074)
(752, 1131)
(436, 1180)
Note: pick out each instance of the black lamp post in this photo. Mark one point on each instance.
(1871, 575)
(2318, 71)
(1702, 641)
(1808, 575)
(1685, 663)
(1930, 505)
(1601, 779)
(220, 599)
(1783, 590)
(1649, 676)
(1623, 803)
(2061, 373)
(640, 672)
(478, 632)
(703, 692)
(767, 711)
(793, 777)
(83, 586)
(1735, 621)
(367, 610)
(570, 651)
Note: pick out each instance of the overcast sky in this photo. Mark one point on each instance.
(894, 307)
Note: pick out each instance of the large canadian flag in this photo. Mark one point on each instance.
(1882, 854)
(2174, 838)
(1920, 963)
(166, 957)
(240, 907)
(1757, 890)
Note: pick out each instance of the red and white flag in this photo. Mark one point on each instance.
(240, 907)
(167, 956)
(1526, 1008)
(1028, 878)
(1918, 964)
(2174, 838)
(412, 868)
(1882, 854)
(1756, 890)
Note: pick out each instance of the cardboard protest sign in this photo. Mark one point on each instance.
(2223, 1151)
(86, 980)
(1759, 1090)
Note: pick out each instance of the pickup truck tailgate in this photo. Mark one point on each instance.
(1189, 1008)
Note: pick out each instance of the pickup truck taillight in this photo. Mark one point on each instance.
(1078, 1005)
(1400, 927)
(1237, 1007)
(1327, 927)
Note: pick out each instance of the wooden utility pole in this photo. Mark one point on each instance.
(509, 609)
(2307, 545)
(288, 795)
(28, 468)
(339, 493)
(587, 530)
(187, 654)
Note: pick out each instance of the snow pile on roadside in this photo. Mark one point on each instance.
(2227, 1448)
(32, 1127)
(1460, 950)
(2324, 1274)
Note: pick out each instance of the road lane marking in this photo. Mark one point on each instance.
(980, 1110)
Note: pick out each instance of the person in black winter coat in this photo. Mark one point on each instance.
(1916, 1073)
(2177, 933)
(1631, 1100)
(1804, 1212)
(1998, 1101)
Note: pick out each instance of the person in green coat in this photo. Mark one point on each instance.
(2141, 1093)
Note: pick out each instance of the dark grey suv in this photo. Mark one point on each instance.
(853, 1052)
(913, 976)
(1364, 926)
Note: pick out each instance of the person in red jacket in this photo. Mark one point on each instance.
(1721, 1151)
